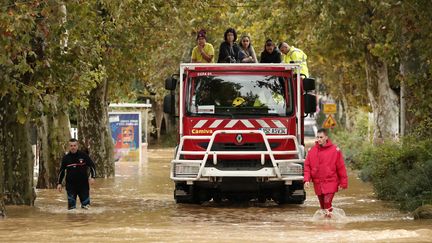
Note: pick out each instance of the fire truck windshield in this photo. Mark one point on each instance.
(237, 95)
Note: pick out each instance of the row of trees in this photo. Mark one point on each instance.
(62, 58)
(367, 53)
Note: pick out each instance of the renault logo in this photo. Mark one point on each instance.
(239, 139)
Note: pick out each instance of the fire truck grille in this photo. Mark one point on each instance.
(240, 164)
(239, 147)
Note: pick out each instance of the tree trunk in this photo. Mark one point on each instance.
(159, 117)
(382, 98)
(16, 156)
(2, 206)
(413, 83)
(94, 132)
(346, 108)
(53, 134)
(53, 131)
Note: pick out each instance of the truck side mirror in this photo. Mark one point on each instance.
(309, 103)
(168, 104)
(170, 83)
(308, 84)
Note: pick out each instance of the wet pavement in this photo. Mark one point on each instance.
(137, 205)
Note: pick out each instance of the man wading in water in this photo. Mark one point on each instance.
(324, 166)
(75, 164)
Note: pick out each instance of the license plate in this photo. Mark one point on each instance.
(268, 130)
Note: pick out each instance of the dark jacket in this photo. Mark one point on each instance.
(274, 57)
(227, 53)
(76, 166)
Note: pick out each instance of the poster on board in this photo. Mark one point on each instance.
(126, 135)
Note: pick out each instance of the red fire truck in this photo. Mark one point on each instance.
(240, 132)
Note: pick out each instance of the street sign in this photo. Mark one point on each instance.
(329, 122)
(329, 108)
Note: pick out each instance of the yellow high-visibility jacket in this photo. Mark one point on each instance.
(297, 56)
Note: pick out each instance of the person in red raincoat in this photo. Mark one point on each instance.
(325, 167)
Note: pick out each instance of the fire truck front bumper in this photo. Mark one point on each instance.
(287, 171)
(211, 166)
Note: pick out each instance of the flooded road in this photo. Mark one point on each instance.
(137, 205)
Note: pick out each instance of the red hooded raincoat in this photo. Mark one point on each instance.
(325, 167)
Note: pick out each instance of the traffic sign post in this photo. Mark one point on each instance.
(329, 122)
(329, 108)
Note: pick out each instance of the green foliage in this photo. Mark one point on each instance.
(133, 41)
(34, 64)
(400, 171)
(423, 130)
(353, 142)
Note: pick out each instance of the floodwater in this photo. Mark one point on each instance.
(137, 205)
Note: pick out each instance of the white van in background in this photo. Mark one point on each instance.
(310, 127)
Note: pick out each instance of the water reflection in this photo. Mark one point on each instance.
(138, 205)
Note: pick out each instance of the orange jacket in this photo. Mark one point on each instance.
(324, 166)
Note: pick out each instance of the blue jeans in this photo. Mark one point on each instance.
(83, 194)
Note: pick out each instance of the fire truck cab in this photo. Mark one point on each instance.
(240, 132)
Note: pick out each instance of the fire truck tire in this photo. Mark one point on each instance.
(201, 195)
(293, 194)
(217, 197)
(186, 194)
(279, 197)
(262, 199)
(296, 201)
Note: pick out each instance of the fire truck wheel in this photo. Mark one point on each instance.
(201, 195)
(296, 201)
(217, 197)
(291, 194)
(297, 193)
(279, 197)
(186, 194)
(262, 198)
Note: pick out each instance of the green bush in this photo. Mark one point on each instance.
(398, 171)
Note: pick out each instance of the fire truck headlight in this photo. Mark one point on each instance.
(290, 169)
(186, 170)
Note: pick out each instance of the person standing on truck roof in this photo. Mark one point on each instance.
(203, 52)
(247, 52)
(75, 165)
(228, 51)
(290, 54)
(270, 54)
(324, 166)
